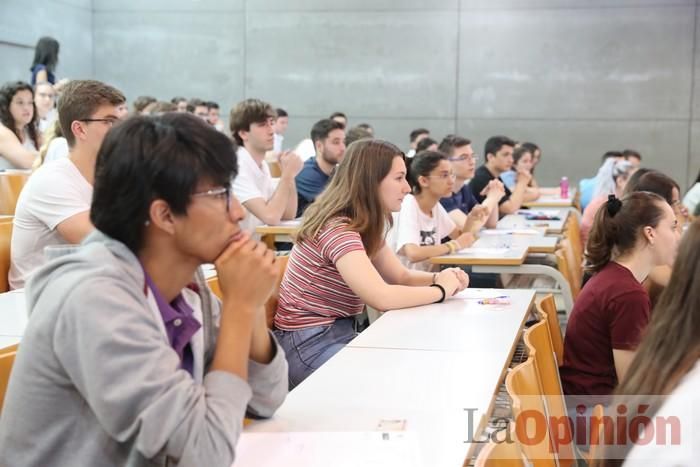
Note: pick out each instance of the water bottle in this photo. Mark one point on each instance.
(564, 187)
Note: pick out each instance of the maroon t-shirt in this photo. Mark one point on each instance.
(611, 312)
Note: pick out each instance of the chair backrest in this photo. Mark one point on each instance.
(573, 233)
(537, 336)
(11, 185)
(271, 304)
(5, 238)
(574, 266)
(7, 359)
(563, 267)
(547, 308)
(502, 454)
(529, 411)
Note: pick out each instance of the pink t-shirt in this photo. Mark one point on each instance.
(312, 292)
(589, 216)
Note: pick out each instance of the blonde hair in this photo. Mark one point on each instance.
(353, 192)
(51, 133)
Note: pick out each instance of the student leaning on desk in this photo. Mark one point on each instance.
(128, 358)
(341, 260)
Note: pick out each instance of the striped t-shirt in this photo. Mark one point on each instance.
(312, 292)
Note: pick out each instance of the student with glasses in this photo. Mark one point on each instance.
(461, 201)
(423, 222)
(128, 357)
(54, 205)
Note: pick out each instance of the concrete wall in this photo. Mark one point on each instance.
(577, 76)
(23, 22)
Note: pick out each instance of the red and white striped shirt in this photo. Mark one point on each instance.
(313, 293)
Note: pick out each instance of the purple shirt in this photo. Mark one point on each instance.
(180, 324)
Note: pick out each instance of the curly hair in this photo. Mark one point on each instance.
(7, 93)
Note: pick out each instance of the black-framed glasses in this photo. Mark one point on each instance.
(109, 121)
(463, 157)
(217, 192)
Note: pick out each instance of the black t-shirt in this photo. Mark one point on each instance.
(482, 177)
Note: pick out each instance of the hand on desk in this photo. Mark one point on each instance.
(453, 280)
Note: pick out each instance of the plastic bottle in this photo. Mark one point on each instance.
(564, 187)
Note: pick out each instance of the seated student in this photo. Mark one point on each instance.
(143, 105)
(522, 162)
(198, 108)
(587, 186)
(461, 201)
(340, 117)
(367, 127)
(423, 222)
(341, 261)
(54, 205)
(666, 364)
(180, 102)
(499, 159)
(55, 146)
(128, 357)
(611, 179)
(281, 124)
(356, 133)
(328, 137)
(536, 158)
(415, 137)
(633, 157)
(629, 237)
(19, 135)
(213, 116)
(44, 101)
(426, 144)
(251, 126)
(691, 200)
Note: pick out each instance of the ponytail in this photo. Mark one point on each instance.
(421, 165)
(617, 226)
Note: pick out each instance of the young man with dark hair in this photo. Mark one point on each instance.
(366, 126)
(213, 116)
(144, 104)
(128, 357)
(356, 133)
(633, 157)
(251, 126)
(328, 137)
(180, 102)
(281, 123)
(199, 108)
(339, 117)
(587, 185)
(463, 161)
(415, 137)
(53, 207)
(498, 152)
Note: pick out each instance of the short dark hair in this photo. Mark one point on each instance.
(366, 126)
(281, 113)
(417, 132)
(424, 144)
(610, 155)
(355, 134)
(246, 112)
(162, 107)
(147, 158)
(652, 181)
(142, 102)
(194, 103)
(532, 147)
(177, 99)
(80, 99)
(323, 128)
(212, 105)
(627, 153)
(338, 114)
(46, 53)
(450, 142)
(495, 143)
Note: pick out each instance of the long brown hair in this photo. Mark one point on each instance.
(617, 225)
(353, 192)
(671, 346)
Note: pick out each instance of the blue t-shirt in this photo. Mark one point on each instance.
(49, 76)
(310, 183)
(463, 200)
(509, 178)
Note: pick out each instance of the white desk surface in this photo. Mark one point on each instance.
(334, 417)
(551, 197)
(533, 243)
(460, 324)
(485, 256)
(13, 314)
(518, 221)
(6, 341)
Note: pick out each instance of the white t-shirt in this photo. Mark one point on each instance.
(412, 225)
(684, 404)
(58, 149)
(305, 149)
(277, 144)
(252, 182)
(55, 192)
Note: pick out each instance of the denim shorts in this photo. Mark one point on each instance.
(309, 348)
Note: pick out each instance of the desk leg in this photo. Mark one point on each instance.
(535, 269)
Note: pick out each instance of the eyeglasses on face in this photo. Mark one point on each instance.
(463, 157)
(216, 192)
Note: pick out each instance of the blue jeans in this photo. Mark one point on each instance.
(309, 348)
